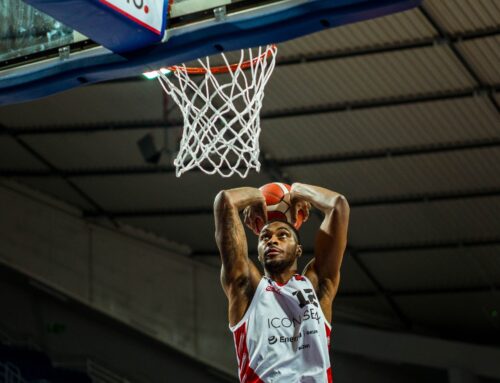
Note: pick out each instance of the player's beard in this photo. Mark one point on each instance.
(274, 266)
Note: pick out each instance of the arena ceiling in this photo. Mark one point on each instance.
(400, 114)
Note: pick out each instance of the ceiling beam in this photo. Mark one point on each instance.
(391, 248)
(365, 51)
(451, 42)
(381, 291)
(269, 163)
(438, 147)
(391, 346)
(435, 245)
(397, 46)
(70, 183)
(425, 291)
(359, 203)
(321, 109)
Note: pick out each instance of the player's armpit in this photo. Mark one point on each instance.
(326, 288)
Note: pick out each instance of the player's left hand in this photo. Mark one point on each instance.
(297, 205)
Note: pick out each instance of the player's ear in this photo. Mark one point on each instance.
(299, 250)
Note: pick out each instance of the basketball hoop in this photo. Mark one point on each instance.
(221, 111)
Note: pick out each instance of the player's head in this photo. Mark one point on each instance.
(278, 246)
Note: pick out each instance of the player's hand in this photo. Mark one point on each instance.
(298, 204)
(255, 216)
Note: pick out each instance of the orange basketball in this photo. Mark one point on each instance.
(277, 197)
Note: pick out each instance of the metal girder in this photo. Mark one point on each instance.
(428, 42)
(414, 198)
(400, 293)
(420, 350)
(320, 109)
(457, 244)
(381, 291)
(440, 147)
(58, 173)
(388, 248)
(450, 41)
(401, 247)
(272, 164)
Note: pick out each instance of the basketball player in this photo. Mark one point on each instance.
(280, 320)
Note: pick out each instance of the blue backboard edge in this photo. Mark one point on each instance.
(236, 33)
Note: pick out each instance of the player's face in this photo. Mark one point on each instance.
(278, 248)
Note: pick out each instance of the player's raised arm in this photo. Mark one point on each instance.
(331, 239)
(239, 275)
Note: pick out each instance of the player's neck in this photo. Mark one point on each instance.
(282, 277)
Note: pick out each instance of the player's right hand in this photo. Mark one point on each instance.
(255, 216)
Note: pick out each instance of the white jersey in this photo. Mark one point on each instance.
(283, 337)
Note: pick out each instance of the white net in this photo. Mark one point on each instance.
(220, 108)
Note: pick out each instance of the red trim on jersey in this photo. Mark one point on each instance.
(328, 332)
(247, 375)
(329, 375)
(297, 277)
(329, 371)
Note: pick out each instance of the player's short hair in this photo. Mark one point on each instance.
(294, 230)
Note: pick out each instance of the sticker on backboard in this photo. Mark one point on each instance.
(147, 13)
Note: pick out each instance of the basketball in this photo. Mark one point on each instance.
(278, 204)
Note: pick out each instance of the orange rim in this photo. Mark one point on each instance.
(224, 68)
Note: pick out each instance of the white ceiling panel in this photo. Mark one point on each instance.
(411, 223)
(58, 188)
(106, 149)
(14, 157)
(408, 175)
(430, 70)
(484, 57)
(465, 313)
(460, 16)
(424, 123)
(435, 269)
(399, 28)
(161, 191)
(102, 103)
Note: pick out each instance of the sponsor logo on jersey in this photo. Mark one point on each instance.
(273, 289)
(287, 322)
(304, 346)
(306, 297)
(289, 339)
(284, 339)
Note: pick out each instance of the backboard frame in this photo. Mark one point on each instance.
(182, 42)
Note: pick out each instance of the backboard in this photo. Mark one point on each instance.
(49, 46)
